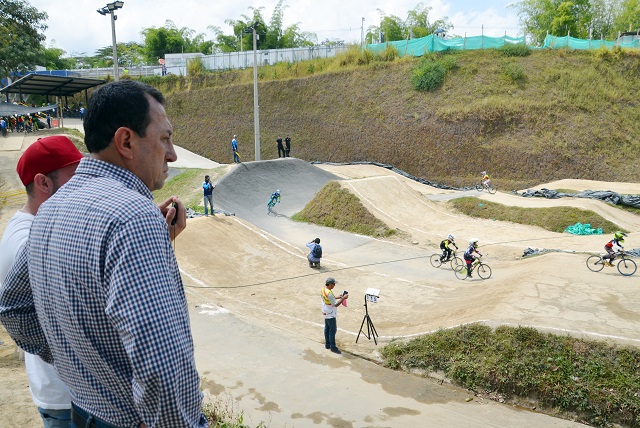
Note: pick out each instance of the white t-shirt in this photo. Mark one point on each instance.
(47, 390)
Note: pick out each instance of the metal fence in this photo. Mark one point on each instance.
(177, 63)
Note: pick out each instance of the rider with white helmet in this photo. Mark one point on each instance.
(469, 255)
(444, 246)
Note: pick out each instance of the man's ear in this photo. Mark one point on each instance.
(123, 140)
(43, 184)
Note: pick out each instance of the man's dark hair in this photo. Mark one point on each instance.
(117, 104)
(317, 240)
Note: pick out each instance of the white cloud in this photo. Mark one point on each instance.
(76, 26)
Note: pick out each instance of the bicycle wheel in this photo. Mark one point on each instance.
(479, 187)
(492, 189)
(484, 271)
(435, 260)
(627, 267)
(461, 272)
(595, 263)
(455, 262)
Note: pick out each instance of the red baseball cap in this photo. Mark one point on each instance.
(47, 155)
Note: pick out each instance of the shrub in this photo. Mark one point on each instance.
(195, 67)
(390, 53)
(429, 77)
(515, 50)
(355, 56)
(513, 71)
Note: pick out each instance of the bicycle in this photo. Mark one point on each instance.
(483, 270)
(626, 266)
(437, 261)
(489, 188)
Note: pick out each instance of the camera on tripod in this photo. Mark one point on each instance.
(371, 295)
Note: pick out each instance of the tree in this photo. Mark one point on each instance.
(415, 26)
(271, 36)
(170, 39)
(21, 36)
(556, 17)
(628, 16)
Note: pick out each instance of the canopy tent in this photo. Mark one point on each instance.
(7, 109)
(38, 84)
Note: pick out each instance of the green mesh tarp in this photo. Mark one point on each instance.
(432, 43)
(583, 229)
(554, 42)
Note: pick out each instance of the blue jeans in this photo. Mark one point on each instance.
(95, 421)
(55, 418)
(330, 329)
(208, 199)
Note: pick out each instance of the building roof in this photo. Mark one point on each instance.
(39, 84)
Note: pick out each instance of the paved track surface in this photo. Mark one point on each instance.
(250, 279)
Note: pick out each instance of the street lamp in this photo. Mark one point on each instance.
(256, 108)
(110, 8)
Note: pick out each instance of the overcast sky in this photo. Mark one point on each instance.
(76, 27)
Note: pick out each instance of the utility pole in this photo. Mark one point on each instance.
(256, 107)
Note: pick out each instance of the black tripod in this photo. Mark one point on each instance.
(371, 330)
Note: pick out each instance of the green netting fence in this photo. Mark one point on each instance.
(433, 43)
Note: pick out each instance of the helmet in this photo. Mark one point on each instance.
(483, 173)
(451, 238)
(473, 241)
(619, 236)
(278, 191)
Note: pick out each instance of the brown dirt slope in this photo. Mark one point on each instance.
(572, 115)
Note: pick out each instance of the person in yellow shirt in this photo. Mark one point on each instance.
(330, 311)
(485, 179)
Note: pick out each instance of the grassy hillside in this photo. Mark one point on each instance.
(550, 115)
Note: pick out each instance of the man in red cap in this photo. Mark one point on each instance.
(43, 168)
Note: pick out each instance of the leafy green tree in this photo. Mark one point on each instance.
(52, 59)
(557, 17)
(416, 25)
(604, 16)
(628, 16)
(171, 39)
(21, 36)
(271, 36)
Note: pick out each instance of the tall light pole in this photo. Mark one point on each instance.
(110, 9)
(362, 33)
(256, 107)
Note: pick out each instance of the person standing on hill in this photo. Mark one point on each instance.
(234, 148)
(287, 146)
(208, 187)
(281, 152)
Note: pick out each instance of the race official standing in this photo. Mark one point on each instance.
(330, 311)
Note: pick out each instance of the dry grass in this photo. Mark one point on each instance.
(336, 207)
(554, 219)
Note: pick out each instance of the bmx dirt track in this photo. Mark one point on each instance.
(255, 302)
(262, 277)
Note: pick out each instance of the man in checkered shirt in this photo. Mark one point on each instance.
(96, 290)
